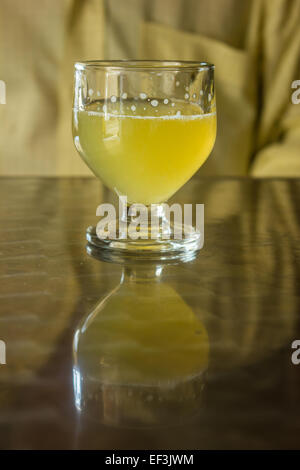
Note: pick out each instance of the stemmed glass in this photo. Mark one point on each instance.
(144, 128)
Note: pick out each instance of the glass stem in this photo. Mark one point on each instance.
(147, 272)
(151, 221)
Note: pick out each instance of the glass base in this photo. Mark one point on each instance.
(149, 248)
(149, 235)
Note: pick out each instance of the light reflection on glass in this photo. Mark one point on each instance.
(141, 356)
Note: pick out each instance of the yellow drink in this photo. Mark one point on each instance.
(144, 334)
(144, 150)
(141, 354)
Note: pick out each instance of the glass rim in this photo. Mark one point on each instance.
(144, 65)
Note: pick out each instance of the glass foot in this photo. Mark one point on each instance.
(147, 249)
(149, 235)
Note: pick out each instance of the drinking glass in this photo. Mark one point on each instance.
(144, 128)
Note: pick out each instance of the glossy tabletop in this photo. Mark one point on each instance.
(241, 292)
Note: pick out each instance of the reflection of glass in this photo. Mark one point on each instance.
(144, 128)
(140, 357)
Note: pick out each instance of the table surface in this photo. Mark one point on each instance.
(243, 288)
